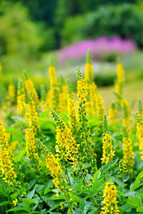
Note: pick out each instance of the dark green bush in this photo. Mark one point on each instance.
(124, 20)
(105, 78)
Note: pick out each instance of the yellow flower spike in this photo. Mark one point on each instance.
(139, 128)
(63, 99)
(53, 93)
(88, 69)
(21, 98)
(11, 93)
(110, 203)
(31, 91)
(0, 68)
(31, 147)
(92, 103)
(7, 172)
(31, 116)
(72, 112)
(107, 146)
(99, 106)
(120, 74)
(128, 154)
(112, 114)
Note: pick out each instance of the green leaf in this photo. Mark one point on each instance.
(44, 114)
(56, 206)
(17, 135)
(5, 203)
(14, 195)
(38, 188)
(18, 118)
(93, 212)
(46, 123)
(60, 197)
(108, 166)
(77, 199)
(86, 207)
(20, 156)
(31, 183)
(77, 187)
(30, 194)
(15, 209)
(96, 175)
(137, 183)
(140, 209)
(135, 202)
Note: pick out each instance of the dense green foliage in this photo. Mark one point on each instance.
(124, 20)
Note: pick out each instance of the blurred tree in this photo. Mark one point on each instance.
(124, 20)
(18, 35)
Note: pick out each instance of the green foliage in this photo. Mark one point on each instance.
(103, 78)
(124, 20)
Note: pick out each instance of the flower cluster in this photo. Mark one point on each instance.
(31, 91)
(66, 144)
(53, 93)
(112, 114)
(31, 149)
(99, 47)
(110, 201)
(128, 154)
(21, 98)
(31, 116)
(11, 94)
(7, 171)
(139, 128)
(72, 113)
(107, 145)
(63, 99)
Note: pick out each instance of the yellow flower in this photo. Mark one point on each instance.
(31, 116)
(31, 91)
(72, 112)
(112, 114)
(31, 147)
(120, 74)
(99, 106)
(11, 93)
(110, 201)
(108, 152)
(15, 202)
(63, 99)
(0, 68)
(88, 73)
(128, 154)
(7, 171)
(21, 99)
(53, 93)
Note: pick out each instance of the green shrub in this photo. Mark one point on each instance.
(103, 78)
(124, 20)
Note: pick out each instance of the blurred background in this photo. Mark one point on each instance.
(33, 31)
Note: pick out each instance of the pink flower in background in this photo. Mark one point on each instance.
(99, 47)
